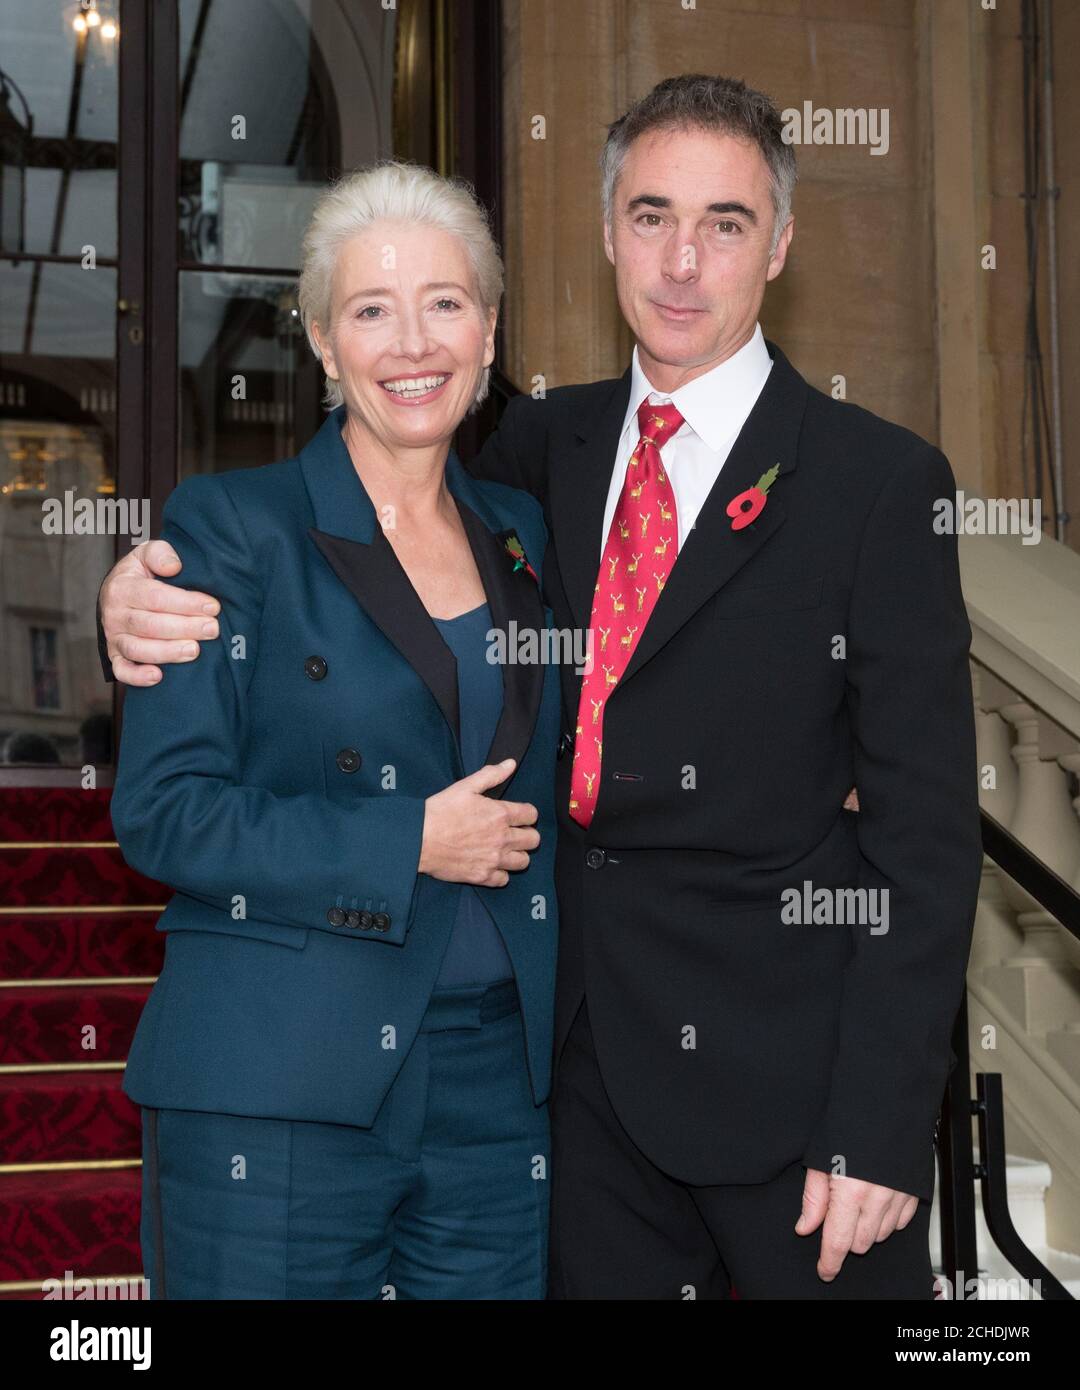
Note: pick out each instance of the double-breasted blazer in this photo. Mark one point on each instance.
(278, 784)
(822, 647)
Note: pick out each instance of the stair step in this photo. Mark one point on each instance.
(85, 1221)
(63, 945)
(74, 877)
(1000, 1280)
(66, 900)
(1060, 1263)
(134, 1286)
(53, 1117)
(55, 813)
(47, 1023)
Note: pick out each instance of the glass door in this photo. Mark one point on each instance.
(275, 100)
(158, 164)
(60, 514)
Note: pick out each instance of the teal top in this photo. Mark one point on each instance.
(475, 954)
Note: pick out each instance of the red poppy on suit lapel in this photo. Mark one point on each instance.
(516, 551)
(748, 506)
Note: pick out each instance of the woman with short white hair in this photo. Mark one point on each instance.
(344, 1064)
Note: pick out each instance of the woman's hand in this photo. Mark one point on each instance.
(473, 838)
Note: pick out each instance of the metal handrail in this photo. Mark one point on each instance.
(990, 1109)
(1015, 859)
(959, 1170)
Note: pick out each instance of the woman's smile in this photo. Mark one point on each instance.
(416, 388)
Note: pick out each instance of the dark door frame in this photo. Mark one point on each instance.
(147, 311)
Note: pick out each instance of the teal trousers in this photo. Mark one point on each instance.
(444, 1197)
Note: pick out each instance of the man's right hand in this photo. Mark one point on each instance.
(146, 621)
(473, 838)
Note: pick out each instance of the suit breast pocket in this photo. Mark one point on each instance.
(763, 600)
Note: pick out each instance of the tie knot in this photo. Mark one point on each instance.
(658, 422)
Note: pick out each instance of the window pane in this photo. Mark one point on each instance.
(45, 671)
(58, 116)
(249, 383)
(277, 97)
(58, 517)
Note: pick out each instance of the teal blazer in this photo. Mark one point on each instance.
(278, 783)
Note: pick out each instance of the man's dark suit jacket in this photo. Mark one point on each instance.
(824, 646)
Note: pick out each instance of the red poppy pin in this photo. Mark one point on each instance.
(748, 506)
(516, 551)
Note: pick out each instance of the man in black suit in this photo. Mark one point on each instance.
(756, 985)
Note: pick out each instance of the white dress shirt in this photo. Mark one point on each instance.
(714, 407)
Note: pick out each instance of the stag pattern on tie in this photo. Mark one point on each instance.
(646, 493)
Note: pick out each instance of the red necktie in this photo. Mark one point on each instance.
(641, 549)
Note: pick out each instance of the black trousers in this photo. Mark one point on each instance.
(623, 1229)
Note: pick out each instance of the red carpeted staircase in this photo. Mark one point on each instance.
(78, 955)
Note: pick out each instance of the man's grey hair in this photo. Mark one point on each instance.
(722, 104)
(397, 191)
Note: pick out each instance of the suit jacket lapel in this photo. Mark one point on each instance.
(578, 484)
(713, 553)
(516, 606)
(373, 575)
(352, 542)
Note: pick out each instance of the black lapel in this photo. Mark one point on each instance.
(516, 607)
(578, 481)
(713, 552)
(373, 575)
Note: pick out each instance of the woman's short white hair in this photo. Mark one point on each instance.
(393, 190)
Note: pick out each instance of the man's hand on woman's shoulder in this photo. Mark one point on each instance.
(149, 624)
